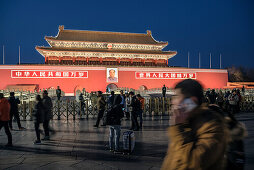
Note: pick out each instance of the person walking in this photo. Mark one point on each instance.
(38, 117)
(5, 117)
(82, 104)
(198, 135)
(113, 119)
(127, 106)
(48, 115)
(134, 109)
(101, 104)
(14, 110)
(142, 106)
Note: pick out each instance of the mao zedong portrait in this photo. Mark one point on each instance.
(112, 77)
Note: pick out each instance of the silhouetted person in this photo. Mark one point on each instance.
(142, 105)
(101, 103)
(82, 104)
(212, 97)
(5, 117)
(58, 93)
(38, 117)
(243, 90)
(134, 109)
(164, 90)
(47, 104)
(111, 99)
(14, 110)
(127, 106)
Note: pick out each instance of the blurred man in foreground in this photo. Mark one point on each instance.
(198, 135)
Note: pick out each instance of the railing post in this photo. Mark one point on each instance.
(31, 109)
(87, 111)
(163, 105)
(74, 110)
(150, 107)
(24, 110)
(58, 110)
(80, 109)
(67, 109)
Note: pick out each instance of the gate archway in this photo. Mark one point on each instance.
(111, 87)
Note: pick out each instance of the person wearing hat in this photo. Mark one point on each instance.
(47, 103)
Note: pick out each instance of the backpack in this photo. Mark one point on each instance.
(235, 153)
(114, 115)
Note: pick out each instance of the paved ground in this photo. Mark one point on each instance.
(77, 145)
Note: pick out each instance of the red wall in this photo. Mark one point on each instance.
(210, 78)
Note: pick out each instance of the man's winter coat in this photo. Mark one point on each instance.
(115, 114)
(38, 113)
(135, 105)
(14, 104)
(101, 103)
(4, 110)
(47, 104)
(199, 143)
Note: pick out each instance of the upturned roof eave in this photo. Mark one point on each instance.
(38, 48)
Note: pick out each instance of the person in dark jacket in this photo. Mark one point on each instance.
(111, 99)
(14, 110)
(58, 93)
(38, 117)
(114, 117)
(212, 97)
(134, 109)
(47, 104)
(164, 90)
(5, 117)
(235, 152)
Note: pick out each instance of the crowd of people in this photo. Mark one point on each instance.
(203, 130)
(42, 114)
(129, 105)
(229, 101)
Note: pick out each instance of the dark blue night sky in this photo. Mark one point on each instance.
(205, 26)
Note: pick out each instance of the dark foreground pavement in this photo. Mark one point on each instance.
(77, 145)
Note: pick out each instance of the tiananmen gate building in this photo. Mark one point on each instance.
(95, 60)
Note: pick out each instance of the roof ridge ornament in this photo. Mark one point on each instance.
(149, 32)
(61, 27)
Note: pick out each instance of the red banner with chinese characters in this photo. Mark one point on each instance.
(165, 75)
(48, 74)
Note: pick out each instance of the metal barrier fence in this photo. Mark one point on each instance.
(75, 110)
(157, 106)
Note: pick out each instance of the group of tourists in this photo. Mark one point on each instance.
(229, 102)
(127, 104)
(42, 113)
(203, 130)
